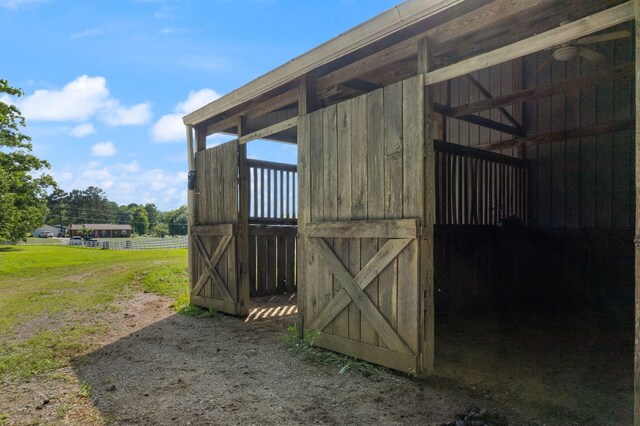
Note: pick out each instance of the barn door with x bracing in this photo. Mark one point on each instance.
(361, 171)
(215, 273)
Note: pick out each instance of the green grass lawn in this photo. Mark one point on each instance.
(50, 298)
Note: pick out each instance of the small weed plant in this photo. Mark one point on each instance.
(304, 346)
(196, 311)
(85, 390)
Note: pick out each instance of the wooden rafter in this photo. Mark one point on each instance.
(611, 74)
(564, 34)
(582, 132)
(273, 104)
(488, 95)
(269, 130)
(480, 121)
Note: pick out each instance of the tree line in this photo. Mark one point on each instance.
(29, 197)
(92, 206)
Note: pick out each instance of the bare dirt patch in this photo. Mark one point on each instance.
(153, 366)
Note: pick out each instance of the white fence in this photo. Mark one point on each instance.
(109, 244)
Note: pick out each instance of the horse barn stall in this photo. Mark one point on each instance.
(464, 201)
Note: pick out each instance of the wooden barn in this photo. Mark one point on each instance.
(454, 156)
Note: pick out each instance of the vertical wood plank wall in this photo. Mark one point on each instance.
(272, 255)
(217, 203)
(362, 159)
(581, 191)
(584, 183)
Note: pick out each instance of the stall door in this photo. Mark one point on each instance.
(214, 240)
(361, 174)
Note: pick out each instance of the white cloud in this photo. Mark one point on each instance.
(118, 115)
(127, 183)
(104, 149)
(169, 128)
(79, 100)
(82, 130)
(92, 32)
(14, 4)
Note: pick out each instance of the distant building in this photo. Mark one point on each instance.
(55, 230)
(101, 230)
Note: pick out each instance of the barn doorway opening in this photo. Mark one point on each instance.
(536, 304)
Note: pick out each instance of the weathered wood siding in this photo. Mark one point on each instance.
(362, 159)
(216, 204)
(272, 256)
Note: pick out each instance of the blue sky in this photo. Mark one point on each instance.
(106, 82)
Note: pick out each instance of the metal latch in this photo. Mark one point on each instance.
(191, 180)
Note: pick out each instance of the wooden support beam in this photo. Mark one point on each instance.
(598, 129)
(269, 130)
(242, 241)
(272, 104)
(467, 151)
(480, 121)
(191, 204)
(306, 95)
(222, 229)
(201, 139)
(611, 74)
(272, 165)
(488, 95)
(426, 317)
(398, 228)
(636, 358)
(564, 34)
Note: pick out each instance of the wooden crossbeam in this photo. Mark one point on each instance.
(353, 290)
(269, 130)
(564, 34)
(399, 228)
(488, 95)
(222, 229)
(272, 104)
(210, 263)
(480, 121)
(598, 129)
(611, 74)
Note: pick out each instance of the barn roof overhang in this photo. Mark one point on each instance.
(462, 35)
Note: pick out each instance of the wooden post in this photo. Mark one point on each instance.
(242, 236)
(201, 138)
(306, 96)
(191, 203)
(636, 363)
(426, 263)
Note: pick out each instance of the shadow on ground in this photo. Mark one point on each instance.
(226, 370)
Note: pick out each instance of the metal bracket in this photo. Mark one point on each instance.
(191, 180)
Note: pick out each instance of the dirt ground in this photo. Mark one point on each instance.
(157, 367)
